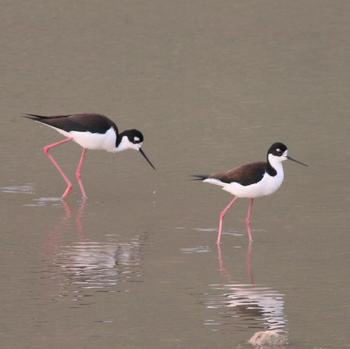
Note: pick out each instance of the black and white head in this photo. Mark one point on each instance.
(133, 139)
(130, 139)
(278, 152)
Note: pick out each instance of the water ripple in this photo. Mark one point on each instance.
(99, 265)
(18, 189)
(196, 249)
(247, 306)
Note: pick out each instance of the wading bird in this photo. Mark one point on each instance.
(90, 131)
(251, 181)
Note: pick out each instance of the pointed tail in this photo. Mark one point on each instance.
(199, 177)
(35, 117)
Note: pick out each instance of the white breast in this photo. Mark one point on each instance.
(104, 141)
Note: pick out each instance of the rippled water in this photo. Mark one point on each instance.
(86, 265)
(243, 306)
(251, 306)
(18, 189)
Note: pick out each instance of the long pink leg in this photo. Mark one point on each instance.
(78, 173)
(248, 220)
(46, 150)
(222, 215)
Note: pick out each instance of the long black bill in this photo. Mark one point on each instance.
(145, 156)
(298, 162)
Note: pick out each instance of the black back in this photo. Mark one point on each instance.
(94, 123)
(244, 175)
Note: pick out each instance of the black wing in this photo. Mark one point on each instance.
(94, 123)
(244, 175)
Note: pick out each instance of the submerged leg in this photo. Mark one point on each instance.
(222, 215)
(248, 219)
(46, 150)
(78, 173)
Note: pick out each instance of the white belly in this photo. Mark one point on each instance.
(88, 140)
(268, 185)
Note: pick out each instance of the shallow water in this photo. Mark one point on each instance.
(211, 85)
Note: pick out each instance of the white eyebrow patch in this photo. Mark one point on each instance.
(136, 139)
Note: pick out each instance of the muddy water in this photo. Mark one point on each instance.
(211, 85)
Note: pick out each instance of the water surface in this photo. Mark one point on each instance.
(211, 85)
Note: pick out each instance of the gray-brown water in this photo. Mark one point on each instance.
(211, 84)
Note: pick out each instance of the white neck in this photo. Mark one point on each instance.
(276, 162)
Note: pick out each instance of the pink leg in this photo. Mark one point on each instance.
(250, 263)
(222, 215)
(248, 220)
(46, 150)
(78, 173)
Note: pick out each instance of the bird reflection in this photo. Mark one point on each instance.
(249, 264)
(84, 264)
(247, 305)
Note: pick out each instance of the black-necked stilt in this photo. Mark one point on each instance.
(90, 131)
(251, 181)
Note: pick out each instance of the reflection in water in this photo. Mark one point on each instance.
(246, 305)
(95, 265)
(91, 265)
(18, 189)
(196, 249)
